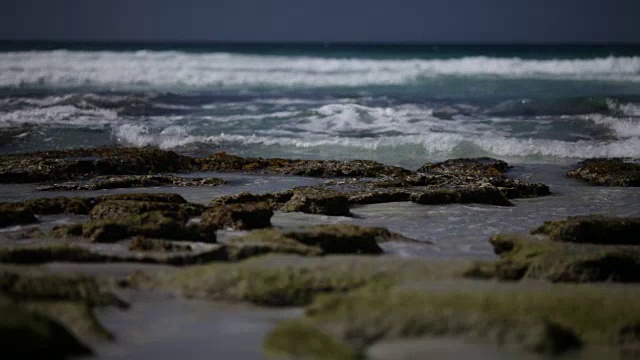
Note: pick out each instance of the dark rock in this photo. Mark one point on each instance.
(276, 199)
(154, 197)
(594, 229)
(313, 200)
(132, 181)
(479, 195)
(83, 163)
(15, 215)
(328, 239)
(30, 335)
(154, 224)
(379, 197)
(140, 243)
(607, 172)
(482, 167)
(315, 168)
(118, 208)
(240, 216)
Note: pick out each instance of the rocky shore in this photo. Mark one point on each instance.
(567, 288)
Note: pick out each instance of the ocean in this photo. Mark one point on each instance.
(398, 104)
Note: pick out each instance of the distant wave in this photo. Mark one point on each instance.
(64, 68)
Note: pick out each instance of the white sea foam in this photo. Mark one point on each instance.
(59, 115)
(444, 144)
(170, 69)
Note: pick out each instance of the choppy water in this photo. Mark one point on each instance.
(397, 105)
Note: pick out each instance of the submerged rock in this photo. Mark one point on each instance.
(15, 215)
(132, 181)
(607, 172)
(241, 216)
(594, 229)
(86, 163)
(313, 200)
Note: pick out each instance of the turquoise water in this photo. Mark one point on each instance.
(398, 104)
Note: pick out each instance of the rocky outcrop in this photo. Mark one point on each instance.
(240, 216)
(593, 229)
(313, 200)
(607, 172)
(132, 181)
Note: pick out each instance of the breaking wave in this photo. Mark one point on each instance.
(64, 68)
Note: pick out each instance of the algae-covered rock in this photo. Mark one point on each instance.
(594, 229)
(241, 216)
(114, 209)
(316, 168)
(607, 172)
(15, 215)
(148, 197)
(276, 199)
(131, 181)
(140, 243)
(38, 254)
(329, 239)
(479, 195)
(379, 197)
(54, 205)
(482, 167)
(523, 256)
(83, 163)
(28, 335)
(312, 200)
(153, 224)
(300, 340)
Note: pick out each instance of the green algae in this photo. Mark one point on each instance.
(594, 229)
(300, 340)
(524, 256)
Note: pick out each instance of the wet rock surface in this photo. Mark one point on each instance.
(321, 239)
(318, 201)
(132, 181)
(86, 163)
(241, 216)
(594, 229)
(607, 172)
(314, 168)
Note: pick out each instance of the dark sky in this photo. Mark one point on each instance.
(440, 21)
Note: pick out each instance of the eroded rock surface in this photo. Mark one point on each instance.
(607, 172)
(240, 216)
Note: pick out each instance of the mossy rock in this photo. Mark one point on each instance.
(241, 216)
(301, 340)
(550, 319)
(25, 334)
(312, 200)
(594, 229)
(524, 256)
(15, 215)
(607, 172)
(154, 224)
(323, 239)
(285, 280)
